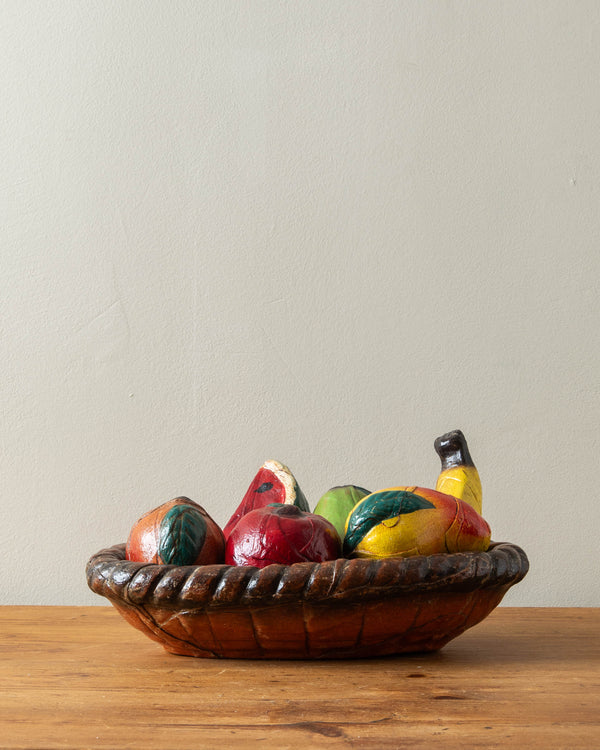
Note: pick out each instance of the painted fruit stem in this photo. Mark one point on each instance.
(453, 450)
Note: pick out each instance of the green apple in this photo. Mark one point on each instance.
(337, 503)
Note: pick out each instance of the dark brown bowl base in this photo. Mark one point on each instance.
(337, 610)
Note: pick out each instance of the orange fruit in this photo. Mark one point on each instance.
(178, 532)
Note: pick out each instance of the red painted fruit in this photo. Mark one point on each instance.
(274, 483)
(281, 534)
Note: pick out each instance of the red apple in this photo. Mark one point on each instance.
(281, 534)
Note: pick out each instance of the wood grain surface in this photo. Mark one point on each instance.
(80, 677)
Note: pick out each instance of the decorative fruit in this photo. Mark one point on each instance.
(405, 521)
(458, 477)
(281, 534)
(274, 483)
(336, 504)
(178, 532)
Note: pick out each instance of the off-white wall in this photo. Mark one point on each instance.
(323, 232)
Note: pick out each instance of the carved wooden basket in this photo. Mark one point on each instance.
(337, 609)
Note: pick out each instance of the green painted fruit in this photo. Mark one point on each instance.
(337, 503)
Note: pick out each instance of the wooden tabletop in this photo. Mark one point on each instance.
(81, 677)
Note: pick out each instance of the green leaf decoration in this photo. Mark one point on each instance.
(182, 534)
(301, 501)
(377, 508)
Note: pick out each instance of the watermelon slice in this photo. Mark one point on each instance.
(274, 483)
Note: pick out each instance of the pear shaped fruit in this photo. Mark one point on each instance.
(274, 483)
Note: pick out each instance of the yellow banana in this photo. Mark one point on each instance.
(459, 476)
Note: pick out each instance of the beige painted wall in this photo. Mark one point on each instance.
(323, 232)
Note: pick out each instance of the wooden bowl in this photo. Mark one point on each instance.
(337, 609)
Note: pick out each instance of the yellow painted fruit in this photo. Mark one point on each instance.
(406, 521)
(459, 476)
